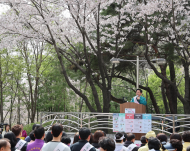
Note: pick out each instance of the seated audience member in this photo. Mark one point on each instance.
(48, 137)
(32, 137)
(76, 138)
(143, 141)
(119, 142)
(148, 135)
(12, 139)
(130, 142)
(28, 139)
(176, 144)
(66, 140)
(5, 145)
(163, 138)
(24, 134)
(39, 135)
(106, 144)
(172, 136)
(125, 136)
(96, 138)
(21, 144)
(7, 129)
(55, 144)
(186, 139)
(154, 144)
(83, 144)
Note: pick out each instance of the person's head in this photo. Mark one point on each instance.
(17, 130)
(176, 136)
(32, 137)
(104, 133)
(64, 134)
(186, 136)
(177, 144)
(66, 140)
(143, 139)
(12, 138)
(5, 145)
(84, 134)
(7, 128)
(106, 144)
(48, 137)
(150, 134)
(154, 143)
(57, 130)
(188, 148)
(97, 135)
(119, 137)
(91, 138)
(35, 125)
(39, 133)
(131, 137)
(125, 136)
(162, 137)
(76, 138)
(138, 92)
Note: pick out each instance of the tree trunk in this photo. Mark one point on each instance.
(11, 111)
(167, 87)
(164, 98)
(18, 111)
(173, 93)
(1, 87)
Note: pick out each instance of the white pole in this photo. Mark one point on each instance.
(137, 84)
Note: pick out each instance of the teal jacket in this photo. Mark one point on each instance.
(141, 101)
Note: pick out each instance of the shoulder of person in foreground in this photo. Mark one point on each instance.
(24, 147)
(67, 148)
(93, 149)
(136, 148)
(144, 148)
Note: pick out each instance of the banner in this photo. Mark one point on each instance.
(132, 123)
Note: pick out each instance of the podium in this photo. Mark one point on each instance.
(139, 108)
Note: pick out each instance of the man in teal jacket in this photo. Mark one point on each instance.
(138, 98)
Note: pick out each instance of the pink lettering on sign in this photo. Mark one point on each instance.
(129, 116)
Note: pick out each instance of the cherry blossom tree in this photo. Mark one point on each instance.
(165, 21)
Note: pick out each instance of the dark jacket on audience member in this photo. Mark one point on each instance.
(13, 149)
(127, 143)
(78, 146)
(24, 147)
(142, 145)
(95, 145)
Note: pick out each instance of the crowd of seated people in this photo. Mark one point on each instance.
(84, 140)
